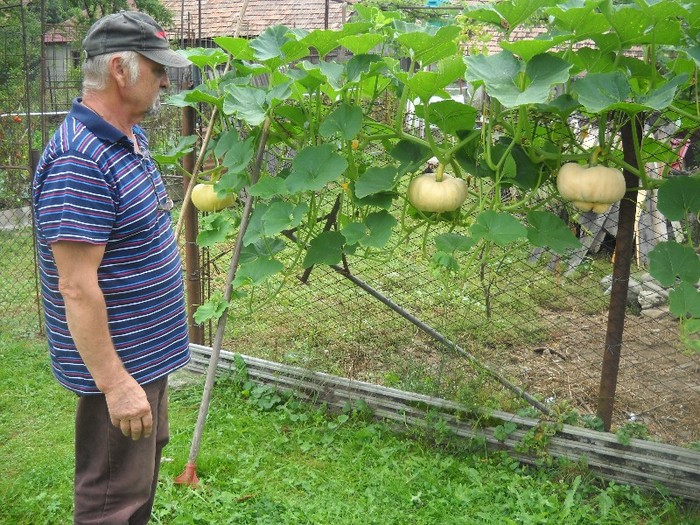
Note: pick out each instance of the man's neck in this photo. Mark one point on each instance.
(109, 112)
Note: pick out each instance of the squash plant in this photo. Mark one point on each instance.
(338, 187)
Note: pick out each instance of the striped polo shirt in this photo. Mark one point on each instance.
(91, 186)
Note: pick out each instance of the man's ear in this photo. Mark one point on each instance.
(118, 72)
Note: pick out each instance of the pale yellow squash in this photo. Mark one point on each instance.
(205, 198)
(437, 192)
(593, 188)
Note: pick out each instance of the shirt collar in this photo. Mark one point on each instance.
(99, 126)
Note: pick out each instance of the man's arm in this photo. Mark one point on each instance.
(86, 314)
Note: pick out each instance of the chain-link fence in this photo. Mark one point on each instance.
(40, 78)
(522, 320)
(18, 78)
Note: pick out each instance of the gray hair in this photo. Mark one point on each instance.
(96, 69)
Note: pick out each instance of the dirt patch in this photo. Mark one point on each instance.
(658, 384)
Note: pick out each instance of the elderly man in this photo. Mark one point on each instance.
(111, 277)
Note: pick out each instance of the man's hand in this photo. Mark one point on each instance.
(129, 409)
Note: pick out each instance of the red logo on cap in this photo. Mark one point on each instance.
(161, 35)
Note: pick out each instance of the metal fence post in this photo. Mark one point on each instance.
(624, 247)
(193, 282)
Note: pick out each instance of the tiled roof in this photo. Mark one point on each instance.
(210, 18)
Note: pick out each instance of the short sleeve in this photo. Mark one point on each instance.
(75, 201)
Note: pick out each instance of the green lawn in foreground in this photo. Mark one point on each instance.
(265, 460)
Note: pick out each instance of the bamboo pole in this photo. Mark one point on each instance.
(189, 475)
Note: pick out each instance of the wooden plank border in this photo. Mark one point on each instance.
(642, 463)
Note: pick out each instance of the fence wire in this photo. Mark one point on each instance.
(535, 319)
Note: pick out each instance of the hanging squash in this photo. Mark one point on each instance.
(204, 198)
(437, 192)
(593, 188)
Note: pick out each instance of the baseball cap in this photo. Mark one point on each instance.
(131, 31)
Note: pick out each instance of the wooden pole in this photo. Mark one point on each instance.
(189, 475)
(624, 248)
(193, 272)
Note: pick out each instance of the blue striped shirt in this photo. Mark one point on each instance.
(91, 186)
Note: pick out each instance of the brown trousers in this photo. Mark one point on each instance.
(116, 477)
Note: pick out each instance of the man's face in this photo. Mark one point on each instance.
(152, 79)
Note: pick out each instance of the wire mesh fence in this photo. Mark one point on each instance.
(525, 317)
(20, 66)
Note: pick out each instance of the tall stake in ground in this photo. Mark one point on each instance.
(624, 245)
(189, 476)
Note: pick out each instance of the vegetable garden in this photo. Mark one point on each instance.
(495, 283)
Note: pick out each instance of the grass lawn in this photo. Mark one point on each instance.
(269, 460)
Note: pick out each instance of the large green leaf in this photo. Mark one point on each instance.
(246, 103)
(370, 65)
(428, 48)
(322, 40)
(282, 215)
(694, 53)
(334, 73)
(354, 232)
(638, 23)
(514, 83)
(670, 260)
(529, 48)
(607, 42)
(679, 196)
(268, 187)
(375, 180)
(185, 146)
(199, 95)
(205, 57)
(382, 200)
(326, 248)
(564, 105)
(450, 116)
(684, 300)
(592, 60)
(470, 156)
(361, 44)
(314, 167)
(212, 309)
(345, 120)
(549, 231)
(263, 248)
(256, 272)
(380, 225)
(453, 242)
(599, 92)
(445, 260)
(410, 154)
(507, 14)
(425, 84)
(579, 17)
(269, 44)
(497, 227)
(239, 153)
(215, 228)
(307, 76)
(279, 91)
(664, 95)
(238, 47)
(268, 220)
(518, 168)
